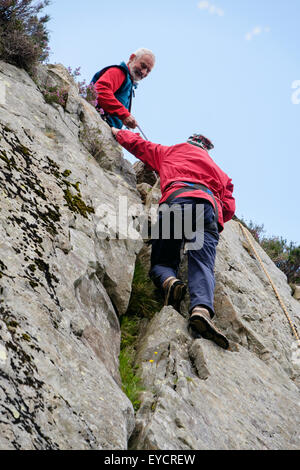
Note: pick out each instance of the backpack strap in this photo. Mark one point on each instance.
(102, 71)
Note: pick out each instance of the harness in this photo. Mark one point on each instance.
(186, 189)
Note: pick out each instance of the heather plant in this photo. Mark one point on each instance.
(55, 95)
(23, 34)
(87, 92)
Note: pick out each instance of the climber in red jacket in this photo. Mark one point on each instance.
(193, 183)
(115, 86)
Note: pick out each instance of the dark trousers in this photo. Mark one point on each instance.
(165, 256)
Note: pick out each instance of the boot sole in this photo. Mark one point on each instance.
(208, 331)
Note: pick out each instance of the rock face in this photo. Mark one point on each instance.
(296, 294)
(201, 397)
(61, 282)
(66, 276)
(144, 174)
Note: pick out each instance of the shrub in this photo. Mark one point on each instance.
(87, 92)
(55, 95)
(255, 229)
(285, 255)
(23, 34)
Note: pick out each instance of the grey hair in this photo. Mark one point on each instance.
(142, 51)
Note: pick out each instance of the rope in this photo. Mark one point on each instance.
(293, 327)
(142, 132)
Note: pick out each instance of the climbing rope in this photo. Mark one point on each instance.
(293, 327)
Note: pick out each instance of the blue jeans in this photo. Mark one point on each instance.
(165, 256)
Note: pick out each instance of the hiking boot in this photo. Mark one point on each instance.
(201, 321)
(175, 291)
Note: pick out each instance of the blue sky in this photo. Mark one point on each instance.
(224, 68)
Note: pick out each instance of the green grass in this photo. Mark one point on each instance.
(143, 304)
(131, 382)
(144, 300)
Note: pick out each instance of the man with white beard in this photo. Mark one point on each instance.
(115, 85)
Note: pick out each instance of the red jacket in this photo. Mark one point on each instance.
(184, 162)
(105, 87)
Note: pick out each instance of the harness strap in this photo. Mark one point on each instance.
(189, 189)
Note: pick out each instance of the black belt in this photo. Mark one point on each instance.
(193, 186)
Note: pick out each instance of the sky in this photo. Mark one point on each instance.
(228, 69)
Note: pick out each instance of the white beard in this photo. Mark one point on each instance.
(135, 77)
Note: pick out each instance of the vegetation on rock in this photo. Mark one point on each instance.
(23, 35)
(87, 91)
(286, 255)
(143, 305)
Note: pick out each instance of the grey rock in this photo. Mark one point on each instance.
(144, 189)
(62, 283)
(247, 308)
(202, 397)
(144, 174)
(296, 294)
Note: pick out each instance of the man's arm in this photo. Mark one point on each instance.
(144, 150)
(105, 88)
(228, 202)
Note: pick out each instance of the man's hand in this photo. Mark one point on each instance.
(115, 131)
(130, 122)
